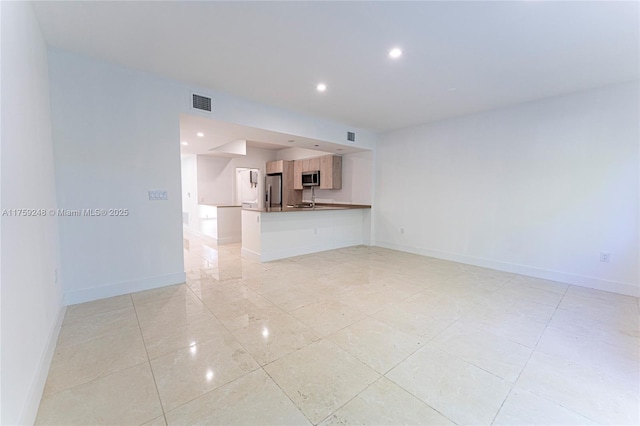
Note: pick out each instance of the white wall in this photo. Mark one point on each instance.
(217, 175)
(290, 154)
(541, 189)
(189, 179)
(357, 181)
(31, 299)
(116, 135)
(216, 180)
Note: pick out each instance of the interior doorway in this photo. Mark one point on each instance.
(248, 187)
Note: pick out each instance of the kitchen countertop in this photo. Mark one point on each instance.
(318, 207)
(218, 205)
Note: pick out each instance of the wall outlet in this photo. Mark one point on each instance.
(402, 230)
(605, 257)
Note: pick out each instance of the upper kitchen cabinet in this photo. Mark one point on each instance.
(297, 174)
(305, 165)
(330, 167)
(275, 167)
(311, 164)
(330, 172)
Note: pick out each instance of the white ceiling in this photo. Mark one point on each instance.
(494, 53)
(217, 133)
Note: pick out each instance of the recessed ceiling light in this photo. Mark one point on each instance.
(316, 145)
(395, 53)
(200, 134)
(291, 141)
(185, 143)
(321, 87)
(339, 149)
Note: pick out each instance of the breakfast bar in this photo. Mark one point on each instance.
(290, 231)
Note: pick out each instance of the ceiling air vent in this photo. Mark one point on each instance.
(351, 136)
(201, 102)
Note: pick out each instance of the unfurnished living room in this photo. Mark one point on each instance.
(320, 213)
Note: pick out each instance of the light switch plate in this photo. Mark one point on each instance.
(158, 194)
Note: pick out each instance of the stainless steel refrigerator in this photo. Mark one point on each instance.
(273, 190)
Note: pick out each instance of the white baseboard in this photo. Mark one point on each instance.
(116, 289)
(30, 410)
(250, 254)
(217, 241)
(229, 240)
(579, 280)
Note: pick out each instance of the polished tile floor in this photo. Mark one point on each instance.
(361, 335)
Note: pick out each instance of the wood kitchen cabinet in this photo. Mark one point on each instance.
(275, 167)
(305, 165)
(311, 164)
(297, 174)
(330, 172)
(286, 168)
(330, 167)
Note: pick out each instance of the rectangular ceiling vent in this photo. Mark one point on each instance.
(201, 102)
(351, 136)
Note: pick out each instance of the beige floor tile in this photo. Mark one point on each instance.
(412, 319)
(183, 336)
(582, 323)
(495, 354)
(579, 296)
(200, 285)
(82, 310)
(155, 294)
(475, 326)
(244, 312)
(127, 397)
(522, 308)
(78, 364)
(460, 391)
(327, 317)
(368, 299)
(533, 289)
(582, 389)
(226, 292)
(440, 306)
(376, 344)
(616, 362)
(293, 297)
(163, 316)
(188, 373)
(97, 325)
(605, 311)
(512, 326)
(384, 403)
(320, 378)
(524, 408)
(269, 339)
(158, 421)
(253, 399)
(539, 283)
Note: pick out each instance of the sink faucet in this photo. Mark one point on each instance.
(313, 196)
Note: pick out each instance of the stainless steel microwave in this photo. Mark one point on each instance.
(311, 178)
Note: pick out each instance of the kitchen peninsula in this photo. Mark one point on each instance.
(290, 231)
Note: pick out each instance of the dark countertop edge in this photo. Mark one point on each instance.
(327, 207)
